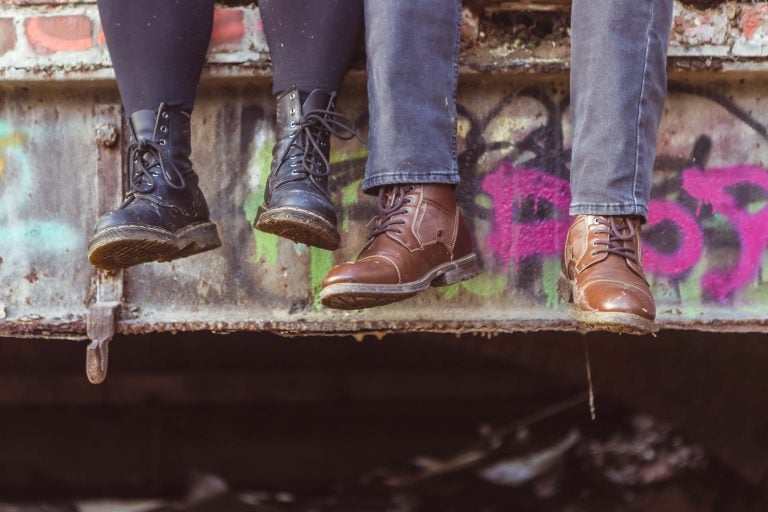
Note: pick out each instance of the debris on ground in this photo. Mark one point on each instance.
(554, 460)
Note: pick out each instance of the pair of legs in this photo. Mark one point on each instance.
(418, 239)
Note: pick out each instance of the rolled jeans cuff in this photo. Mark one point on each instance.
(639, 210)
(410, 178)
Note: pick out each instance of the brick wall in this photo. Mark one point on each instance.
(62, 39)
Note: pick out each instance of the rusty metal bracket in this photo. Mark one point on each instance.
(104, 313)
(102, 324)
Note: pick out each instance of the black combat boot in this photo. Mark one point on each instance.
(296, 200)
(164, 215)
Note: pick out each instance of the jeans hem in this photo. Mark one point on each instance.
(410, 178)
(609, 209)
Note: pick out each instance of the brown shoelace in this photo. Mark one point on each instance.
(392, 202)
(617, 235)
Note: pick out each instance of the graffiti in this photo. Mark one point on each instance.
(708, 225)
(509, 189)
(689, 248)
(18, 229)
(719, 188)
(707, 231)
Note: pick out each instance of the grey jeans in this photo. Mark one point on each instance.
(412, 48)
(618, 87)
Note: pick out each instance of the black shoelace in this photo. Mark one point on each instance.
(314, 163)
(617, 235)
(145, 155)
(391, 203)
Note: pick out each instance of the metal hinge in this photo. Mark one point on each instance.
(102, 324)
(104, 313)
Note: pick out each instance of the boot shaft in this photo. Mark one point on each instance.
(292, 107)
(171, 129)
(424, 218)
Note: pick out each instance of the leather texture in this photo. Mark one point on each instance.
(166, 196)
(422, 228)
(602, 260)
(289, 184)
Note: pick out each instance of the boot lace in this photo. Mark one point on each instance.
(314, 164)
(145, 155)
(391, 203)
(618, 233)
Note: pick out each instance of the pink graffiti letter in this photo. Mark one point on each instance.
(691, 244)
(711, 187)
(514, 241)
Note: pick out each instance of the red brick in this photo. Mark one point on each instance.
(752, 17)
(50, 34)
(7, 35)
(228, 27)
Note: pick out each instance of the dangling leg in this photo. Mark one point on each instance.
(311, 43)
(419, 239)
(158, 50)
(618, 87)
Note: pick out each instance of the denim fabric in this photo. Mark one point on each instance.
(412, 48)
(618, 87)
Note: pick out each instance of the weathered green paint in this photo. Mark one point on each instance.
(266, 243)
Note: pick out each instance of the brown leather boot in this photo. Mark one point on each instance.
(419, 240)
(602, 275)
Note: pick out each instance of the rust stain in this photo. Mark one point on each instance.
(32, 276)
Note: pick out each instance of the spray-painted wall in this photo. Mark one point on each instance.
(706, 242)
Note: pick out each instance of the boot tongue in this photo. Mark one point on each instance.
(143, 122)
(315, 100)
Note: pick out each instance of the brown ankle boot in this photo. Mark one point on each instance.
(602, 275)
(419, 240)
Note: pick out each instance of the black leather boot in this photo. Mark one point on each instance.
(296, 200)
(164, 215)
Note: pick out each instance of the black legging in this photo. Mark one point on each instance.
(157, 49)
(311, 41)
(158, 46)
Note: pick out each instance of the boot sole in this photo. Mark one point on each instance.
(622, 323)
(126, 246)
(361, 296)
(301, 226)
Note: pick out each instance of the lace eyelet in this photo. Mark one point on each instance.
(292, 96)
(164, 129)
(293, 111)
(161, 142)
(166, 115)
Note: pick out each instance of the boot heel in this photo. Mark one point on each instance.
(463, 270)
(196, 239)
(564, 289)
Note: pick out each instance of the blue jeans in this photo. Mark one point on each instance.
(412, 48)
(618, 87)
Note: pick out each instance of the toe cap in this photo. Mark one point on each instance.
(618, 297)
(372, 270)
